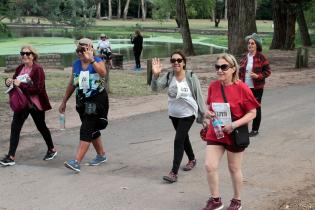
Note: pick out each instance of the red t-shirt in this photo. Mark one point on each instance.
(240, 98)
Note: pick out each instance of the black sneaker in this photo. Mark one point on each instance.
(7, 161)
(50, 155)
(253, 133)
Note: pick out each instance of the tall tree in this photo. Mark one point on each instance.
(119, 9)
(98, 9)
(110, 14)
(305, 36)
(143, 10)
(182, 20)
(126, 9)
(241, 22)
(284, 15)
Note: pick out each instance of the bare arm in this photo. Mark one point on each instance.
(249, 116)
(70, 89)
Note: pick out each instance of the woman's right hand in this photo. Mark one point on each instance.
(62, 107)
(209, 114)
(8, 82)
(156, 66)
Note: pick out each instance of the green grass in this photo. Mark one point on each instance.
(128, 84)
(122, 84)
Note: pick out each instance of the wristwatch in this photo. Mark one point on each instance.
(92, 62)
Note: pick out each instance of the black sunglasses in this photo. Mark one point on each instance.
(179, 60)
(26, 53)
(223, 67)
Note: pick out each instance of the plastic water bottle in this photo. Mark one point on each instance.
(217, 126)
(62, 121)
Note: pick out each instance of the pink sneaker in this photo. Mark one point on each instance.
(213, 205)
(235, 205)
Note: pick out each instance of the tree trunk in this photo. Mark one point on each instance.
(143, 10)
(181, 17)
(213, 15)
(110, 13)
(126, 9)
(241, 23)
(305, 36)
(119, 9)
(225, 9)
(98, 10)
(279, 14)
(290, 32)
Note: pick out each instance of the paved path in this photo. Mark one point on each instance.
(279, 162)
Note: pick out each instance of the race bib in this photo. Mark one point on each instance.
(25, 78)
(223, 112)
(84, 78)
(182, 90)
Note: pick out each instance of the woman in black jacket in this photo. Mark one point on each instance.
(137, 42)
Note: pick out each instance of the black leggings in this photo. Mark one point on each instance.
(17, 123)
(137, 58)
(182, 142)
(258, 93)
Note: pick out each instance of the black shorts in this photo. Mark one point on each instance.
(92, 123)
(230, 148)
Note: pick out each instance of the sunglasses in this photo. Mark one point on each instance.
(26, 53)
(223, 67)
(179, 60)
(251, 43)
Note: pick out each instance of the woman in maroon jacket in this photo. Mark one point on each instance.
(254, 69)
(30, 78)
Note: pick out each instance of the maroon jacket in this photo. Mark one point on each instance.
(37, 87)
(260, 67)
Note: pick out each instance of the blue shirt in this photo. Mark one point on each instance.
(96, 82)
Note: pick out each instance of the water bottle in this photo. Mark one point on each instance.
(217, 126)
(62, 121)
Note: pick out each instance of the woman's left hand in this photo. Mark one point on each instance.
(253, 75)
(16, 82)
(228, 128)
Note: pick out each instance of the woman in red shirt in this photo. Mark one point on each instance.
(241, 107)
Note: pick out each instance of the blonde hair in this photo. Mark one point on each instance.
(32, 49)
(233, 63)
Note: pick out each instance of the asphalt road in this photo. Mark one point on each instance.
(278, 163)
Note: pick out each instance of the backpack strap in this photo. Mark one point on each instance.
(168, 77)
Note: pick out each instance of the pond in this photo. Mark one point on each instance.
(153, 47)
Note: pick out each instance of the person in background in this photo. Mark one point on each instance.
(241, 108)
(137, 41)
(104, 49)
(30, 78)
(87, 79)
(185, 104)
(254, 69)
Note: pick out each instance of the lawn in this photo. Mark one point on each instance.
(122, 84)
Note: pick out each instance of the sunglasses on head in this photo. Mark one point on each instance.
(26, 53)
(179, 60)
(223, 67)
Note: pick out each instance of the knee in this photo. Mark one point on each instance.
(211, 167)
(234, 168)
